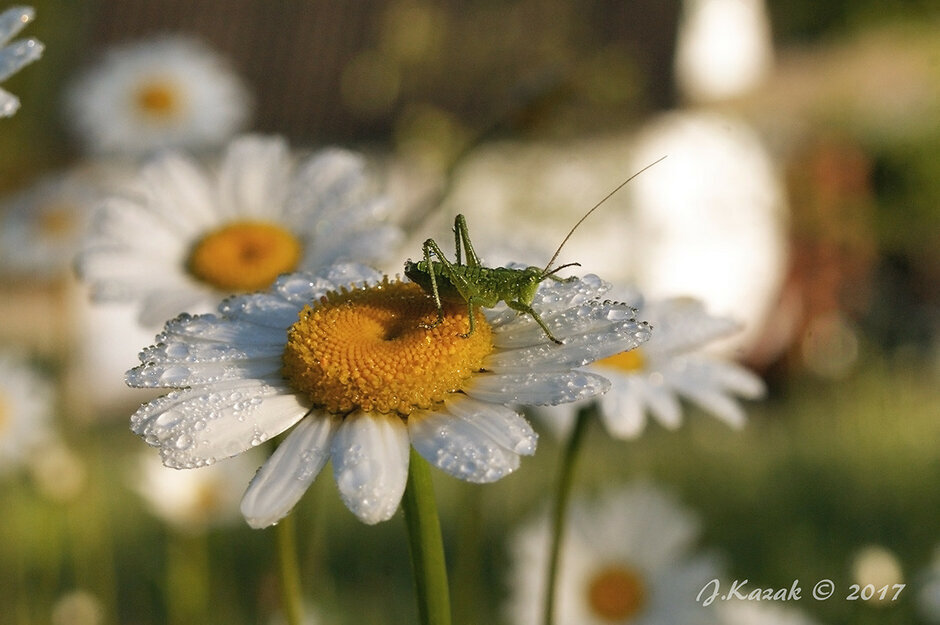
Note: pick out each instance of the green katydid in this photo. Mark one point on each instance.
(478, 285)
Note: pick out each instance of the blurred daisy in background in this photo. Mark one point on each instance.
(751, 613)
(41, 227)
(669, 367)
(168, 92)
(193, 501)
(346, 357)
(189, 236)
(14, 56)
(27, 403)
(626, 558)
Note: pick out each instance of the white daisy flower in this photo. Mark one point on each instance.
(26, 408)
(625, 559)
(750, 613)
(360, 376)
(670, 366)
(15, 55)
(193, 501)
(169, 92)
(41, 228)
(189, 237)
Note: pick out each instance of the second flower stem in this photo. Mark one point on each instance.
(560, 506)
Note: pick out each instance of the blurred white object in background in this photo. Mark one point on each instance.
(709, 221)
(723, 48)
(193, 501)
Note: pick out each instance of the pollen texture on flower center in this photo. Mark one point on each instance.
(158, 99)
(630, 361)
(616, 594)
(244, 256)
(366, 349)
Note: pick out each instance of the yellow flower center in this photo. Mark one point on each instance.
(630, 361)
(616, 593)
(367, 349)
(56, 222)
(244, 256)
(159, 99)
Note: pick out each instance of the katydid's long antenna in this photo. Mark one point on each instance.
(596, 206)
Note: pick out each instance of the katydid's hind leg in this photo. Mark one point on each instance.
(462, 234)
(525, 308)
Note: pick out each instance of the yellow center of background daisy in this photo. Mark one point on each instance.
(616, 594)
(366, 349)
(632, 360)
(158, 99)
(244, 256)
(56, 222)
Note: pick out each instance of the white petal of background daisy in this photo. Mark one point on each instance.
(671, 366)
(14, 56)
(192, 501)
(26, 407)
(361, 378)
(626, 559)
(190, 236)
(168, 92)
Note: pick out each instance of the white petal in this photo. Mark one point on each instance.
(501, 424)
(370, 464)
(290, 470)
(181, 374)
(212, 328)
(737, 379)
(719, 405)
(623, 414)
(683, 325)
(536, 388)
(330, 185)
(180, 192)
(458, 447)
(254, 177)
(197, 426)
(664, 405)
(262, 309)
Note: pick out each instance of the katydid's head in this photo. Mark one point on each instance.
(548, 271)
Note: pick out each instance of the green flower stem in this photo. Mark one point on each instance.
(560, 508)
(425, 544)
(289, 570)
